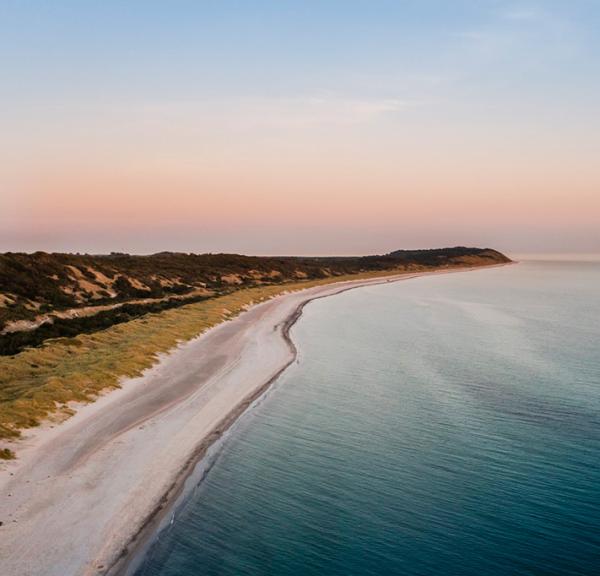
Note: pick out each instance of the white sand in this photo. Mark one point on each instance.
(81, 491)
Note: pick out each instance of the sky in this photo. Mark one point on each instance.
(280, 127)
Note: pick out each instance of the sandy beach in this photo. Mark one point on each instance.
(84, 494)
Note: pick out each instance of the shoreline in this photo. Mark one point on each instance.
(132, 559)
(133, 553)
(167, 427)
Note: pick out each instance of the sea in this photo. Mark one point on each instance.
(443, 425)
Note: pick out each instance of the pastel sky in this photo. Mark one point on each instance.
(279, 127)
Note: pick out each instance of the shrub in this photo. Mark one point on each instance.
(7, 454)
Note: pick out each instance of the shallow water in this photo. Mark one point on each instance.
(442, 425)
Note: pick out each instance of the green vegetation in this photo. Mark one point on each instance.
(61, 281)
(13, 342)
(33, 284)
(94, 353)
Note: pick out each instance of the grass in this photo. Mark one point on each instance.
(38, 383)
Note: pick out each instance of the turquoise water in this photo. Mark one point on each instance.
(446, 425)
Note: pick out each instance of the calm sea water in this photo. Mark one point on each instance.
(446, 425)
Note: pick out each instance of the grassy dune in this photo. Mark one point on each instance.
(39, 383)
